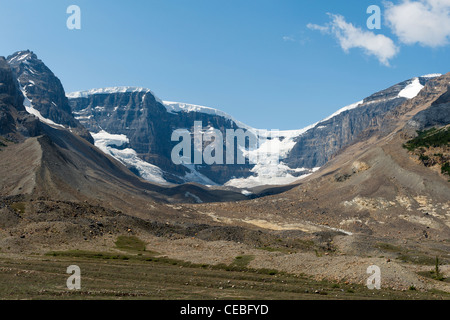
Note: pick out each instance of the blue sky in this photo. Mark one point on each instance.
(273, 64)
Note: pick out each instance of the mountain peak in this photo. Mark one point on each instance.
(109, 90)
(44, 93)
(21, 56)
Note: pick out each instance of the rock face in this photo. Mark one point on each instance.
(148, 124)
(50, 161)
(45, 91)
(318, 145)
(143, 124)
(436, 115)
(15, 123)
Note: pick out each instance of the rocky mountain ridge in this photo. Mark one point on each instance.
(44, 94)
(147, 122)
(135, 126)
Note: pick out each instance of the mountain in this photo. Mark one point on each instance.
(135, 127)
(44, 159)
(381, 196)
(319, 144)
(16, 124)
(377, 187)
(44, 94)
(144, 125)
(147, 124)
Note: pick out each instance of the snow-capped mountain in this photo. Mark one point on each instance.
(134, 126)
(316, 146)
(146, 123)
(44, 94)
(44, 159)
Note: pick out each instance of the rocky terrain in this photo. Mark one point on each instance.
(376, 201)
(148, 124)
(44, 92)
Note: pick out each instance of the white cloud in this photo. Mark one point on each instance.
(288, 39)
(349, 37)
(426, 22)
(318, 28)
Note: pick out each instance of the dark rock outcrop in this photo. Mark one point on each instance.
(318, 145)
(44, 89)
(438, 114)
(138, 114)
(15, 123)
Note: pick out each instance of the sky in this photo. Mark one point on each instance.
(272, 64)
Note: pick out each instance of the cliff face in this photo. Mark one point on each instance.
(15, 122)
(318, 145)
(49, 161)
(45, 91)
(148, 124)
(436, 115)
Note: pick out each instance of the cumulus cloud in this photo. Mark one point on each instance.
(426, 22)
(349, 37)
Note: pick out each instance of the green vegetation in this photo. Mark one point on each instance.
(389, 247)
(18, 207)
(291, 246)
(445, 169)
(43, 278)
(416, 258)
(429, 138)
(88, 255)
(437, 271)
(243, 261)
(130, 243)
(239, 264)
(408, 256)
(433, 138)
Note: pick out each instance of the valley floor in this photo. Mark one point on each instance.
(44, 277)
(160, 268)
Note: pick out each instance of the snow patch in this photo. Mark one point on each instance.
(22, 57)
(177, 107)
(31, 110)
(411, 90)
(194, 176)
(272, 176)
(108, 143)
(111, 90)
(432, 75)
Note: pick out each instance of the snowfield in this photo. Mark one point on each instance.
(110, 144)
(412, 90)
